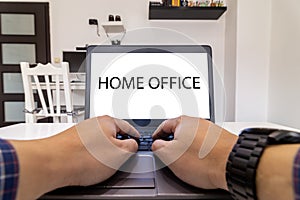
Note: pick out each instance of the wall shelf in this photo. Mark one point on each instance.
(113, 27)
(185, 13)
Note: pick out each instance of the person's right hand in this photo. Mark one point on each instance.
(199, 152)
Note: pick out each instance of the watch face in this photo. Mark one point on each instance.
(275, 136)
(284, 137)
(259, 131)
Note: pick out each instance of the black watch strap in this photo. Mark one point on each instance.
(245, 155)
(242, 165)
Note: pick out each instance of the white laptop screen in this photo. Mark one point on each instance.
(143, 84)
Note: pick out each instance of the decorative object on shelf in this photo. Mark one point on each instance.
(217, 3)
(176, 3)
(112, 27)
(111, 18)
(117, 18)
(188, 3)
(157, 3)
(213, 4)
(191, 3)
(204, 3)
(183, 3)
(220, 4)
(185, 13)
(166, 2)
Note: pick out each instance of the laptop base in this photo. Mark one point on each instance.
(147, 184)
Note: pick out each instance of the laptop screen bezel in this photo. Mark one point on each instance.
(149, 49)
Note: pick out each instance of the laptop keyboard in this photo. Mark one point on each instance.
(145, 141)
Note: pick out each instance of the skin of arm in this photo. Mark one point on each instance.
(62, 160)
(274, 173)
(207, 173)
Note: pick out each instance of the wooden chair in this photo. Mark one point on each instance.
(54, 95)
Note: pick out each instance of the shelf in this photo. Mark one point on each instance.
(113, 27)
(185, 13)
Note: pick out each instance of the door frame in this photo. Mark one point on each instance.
(41, 39)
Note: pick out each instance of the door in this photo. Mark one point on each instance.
(24, 36)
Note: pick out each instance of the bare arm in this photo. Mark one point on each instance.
(274, 175)
(274, 178)
(63, 160)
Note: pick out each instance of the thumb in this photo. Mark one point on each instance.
(129, 145)
(159, 144)
(168, 151)
(163, 150)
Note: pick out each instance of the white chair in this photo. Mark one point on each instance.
(49, 92)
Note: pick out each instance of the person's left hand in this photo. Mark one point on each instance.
(85, 154)
(100, 154)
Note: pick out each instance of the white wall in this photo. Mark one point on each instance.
(284, 91)
(245, 43)
(69, 28)
(70, 25)
(268, 67)
(240, 41)
(230, 60)
(253, 41)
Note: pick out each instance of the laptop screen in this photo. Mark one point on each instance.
(149, 82)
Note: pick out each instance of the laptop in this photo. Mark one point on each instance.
(144, 85)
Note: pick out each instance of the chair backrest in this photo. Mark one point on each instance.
(39, 79)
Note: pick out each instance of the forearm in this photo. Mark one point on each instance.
(274, 178)
(43, 166)
(69, 158)
(36, 170)
(63, 160)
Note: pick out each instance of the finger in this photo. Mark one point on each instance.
(97, 135)
(166, 128)
(123, 127)
(167, 151)
(184, 129)
(159, 144)
(129, 145)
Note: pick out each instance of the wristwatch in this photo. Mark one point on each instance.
(245, 155)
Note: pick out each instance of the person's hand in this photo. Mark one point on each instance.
(103, 153)
(198, 153)
(74, 157)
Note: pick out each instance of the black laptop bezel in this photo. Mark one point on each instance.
(149, 49)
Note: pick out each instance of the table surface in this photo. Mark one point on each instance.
(28, 131)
